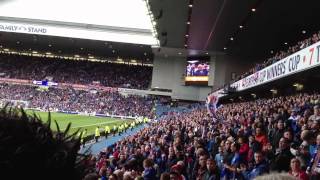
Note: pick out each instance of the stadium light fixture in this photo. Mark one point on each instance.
(207, 53)
(285, 43)
(151, 15)
(187, 35)
(304, 31)
(274, 91)
(154, 23)
(253, 10)
(188, 22)
(297, 84)
(240, 26)
(231, 39)
(190, 5)
(225, 48)
(185, 45)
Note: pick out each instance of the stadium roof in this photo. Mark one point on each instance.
(116, 13)
(107, 20)
(215, 24)
(107, 28)
(72, 46)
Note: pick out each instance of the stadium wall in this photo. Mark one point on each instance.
(227, 65)
(168, 73)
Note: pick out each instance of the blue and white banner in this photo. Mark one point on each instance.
(45, 83)
(302, 60)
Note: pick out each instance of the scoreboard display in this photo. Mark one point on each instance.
(197, 70)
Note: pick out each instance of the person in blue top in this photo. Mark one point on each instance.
(219, 158)
(149, 172)
(231, 172)
(260, 167)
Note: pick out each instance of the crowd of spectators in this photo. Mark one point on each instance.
(108, 102)
(75, 72)
(246, 140)
(281, 55)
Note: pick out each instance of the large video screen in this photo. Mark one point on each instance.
(197, 70)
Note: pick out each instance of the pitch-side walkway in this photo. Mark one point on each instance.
(95, 148)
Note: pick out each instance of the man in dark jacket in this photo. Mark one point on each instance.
(281, 160)
(261, 167)
(212, 172)
(277, 134)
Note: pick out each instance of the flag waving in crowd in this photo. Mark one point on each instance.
(212, 101)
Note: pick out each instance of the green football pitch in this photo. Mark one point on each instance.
(79, 122)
